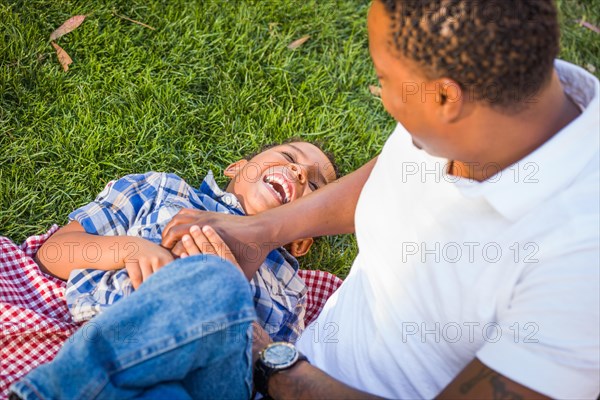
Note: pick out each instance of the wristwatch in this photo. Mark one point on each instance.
(277, 356)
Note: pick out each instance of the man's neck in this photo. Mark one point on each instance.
(509, 138)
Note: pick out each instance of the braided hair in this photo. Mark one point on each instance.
(500, 52)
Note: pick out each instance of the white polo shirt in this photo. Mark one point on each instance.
(448, 269)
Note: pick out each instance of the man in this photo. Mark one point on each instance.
(480, 286)
(477, 225)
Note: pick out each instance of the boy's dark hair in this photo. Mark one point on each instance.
(499, 51)
(316, 143)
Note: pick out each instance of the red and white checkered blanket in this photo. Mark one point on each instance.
(321, 285)
(35, 318)
(34, 314)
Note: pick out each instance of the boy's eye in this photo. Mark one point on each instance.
(289, 156)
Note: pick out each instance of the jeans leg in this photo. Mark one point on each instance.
(189, 320)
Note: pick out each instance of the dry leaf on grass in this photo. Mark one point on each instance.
(589, 26)
(375, 90)
(299, 42)
(69, 25)
(273, 28)
(590, 67)
(133, 20)
(63, 57)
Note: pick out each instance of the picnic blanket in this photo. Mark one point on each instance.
(34, 314)
(35, 318)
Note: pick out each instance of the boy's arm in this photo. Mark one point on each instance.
(107, 219)
(72, 248)
(327, 211)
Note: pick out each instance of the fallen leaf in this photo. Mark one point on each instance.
(299, 42)
(375, 90)
(590, 67)
(69, 25)
(273, 28)
(63, 57)
(133, 20)
(589, 26)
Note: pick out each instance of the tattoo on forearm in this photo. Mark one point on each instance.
(483, 374)
(500, 391)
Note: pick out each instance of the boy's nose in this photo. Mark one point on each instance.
(299, 173)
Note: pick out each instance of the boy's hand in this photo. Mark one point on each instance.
(181, 223)
(146, 260)
(206, 241)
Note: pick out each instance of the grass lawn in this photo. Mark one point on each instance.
(212, 83)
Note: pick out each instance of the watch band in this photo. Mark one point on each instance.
(262, 374)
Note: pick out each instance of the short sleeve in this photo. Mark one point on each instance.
(119, 205)
(548, 337)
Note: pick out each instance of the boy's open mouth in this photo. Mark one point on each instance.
(280, 187)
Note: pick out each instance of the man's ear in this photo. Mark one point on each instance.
(452, 99)
(233, 169)
(300, 247)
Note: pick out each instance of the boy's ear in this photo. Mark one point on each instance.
(300, 247)
(233, 169)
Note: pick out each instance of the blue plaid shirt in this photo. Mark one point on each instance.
(141, 205)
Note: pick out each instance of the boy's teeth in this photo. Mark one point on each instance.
(279, 180)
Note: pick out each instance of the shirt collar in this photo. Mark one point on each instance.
(519, 188)
(210, 188)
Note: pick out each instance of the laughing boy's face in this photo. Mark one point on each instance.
(279, 175)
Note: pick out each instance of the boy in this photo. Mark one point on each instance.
(136, 208)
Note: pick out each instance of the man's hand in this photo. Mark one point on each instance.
(245, 237)
(145, 260)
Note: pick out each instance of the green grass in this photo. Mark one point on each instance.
(212, 83)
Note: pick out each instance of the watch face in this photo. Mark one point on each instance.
(280, 355)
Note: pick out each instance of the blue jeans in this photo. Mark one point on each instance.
(185, 333)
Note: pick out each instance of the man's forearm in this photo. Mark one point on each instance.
(305, 381)
(329, 211)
